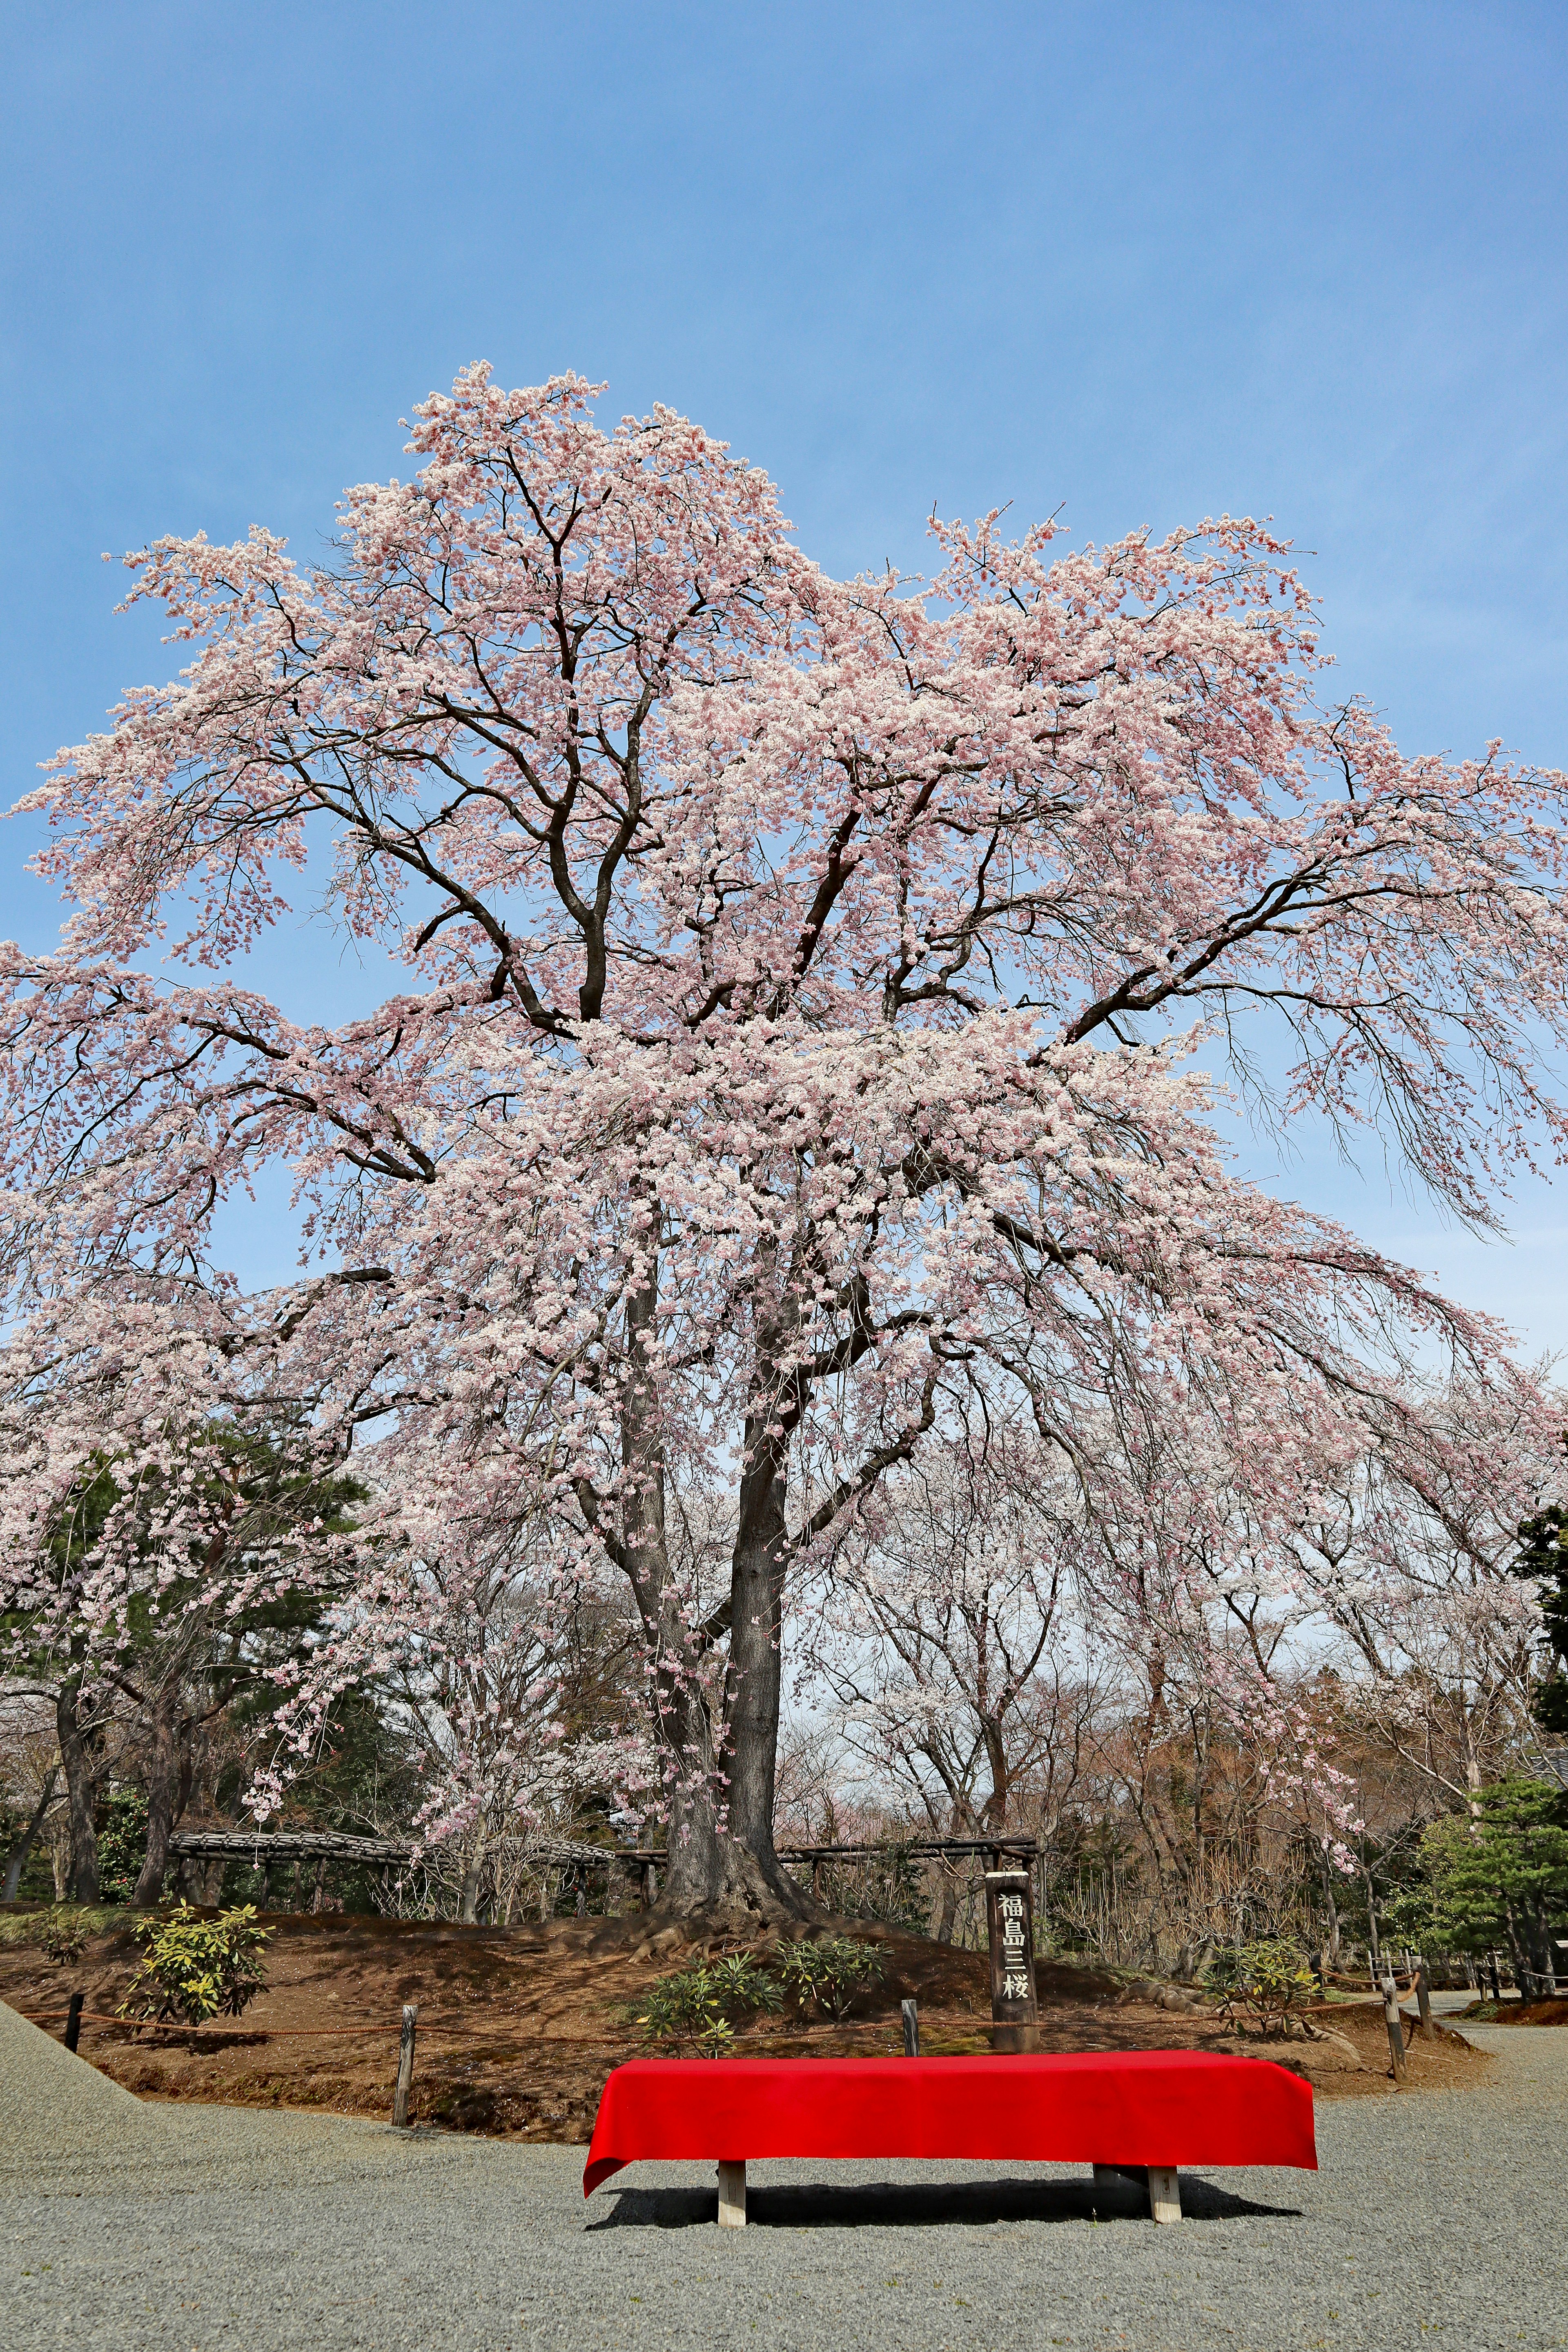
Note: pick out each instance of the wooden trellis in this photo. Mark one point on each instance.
(268, 1849)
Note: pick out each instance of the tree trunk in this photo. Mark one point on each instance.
(1332, 1908)
(754, 1689)
(468, 1898)
(22, 1844)
(81, 1787)
(724, 1871)
(162, 1779)
(948, 1910)
(201, 1882)
(723, 1866)
(1372, 1946)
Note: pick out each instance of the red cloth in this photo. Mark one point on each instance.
(1136, 2106)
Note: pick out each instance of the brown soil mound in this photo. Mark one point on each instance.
(1520, 2012)
(518, 2027)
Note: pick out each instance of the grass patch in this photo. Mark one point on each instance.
(36, 1928)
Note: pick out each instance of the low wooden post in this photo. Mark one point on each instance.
(1423, 1999)
(73, 2020)
(1159, 2182)
(910, 2015)
(1165, 2193)
(1010, 1929)
(1396, 2030)
(732, 2196)
(405, 2065)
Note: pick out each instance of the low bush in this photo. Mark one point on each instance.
(1265, 1980)
(828, 1975)
(696, 2007)
(64, 1935)
(193, 1969)
(699, 2007)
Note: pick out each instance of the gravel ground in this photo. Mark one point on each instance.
(1436, 2218)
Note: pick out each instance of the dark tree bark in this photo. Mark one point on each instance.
(22, 1843)
(78, 1757)
(468, 1898)
(163, 1783)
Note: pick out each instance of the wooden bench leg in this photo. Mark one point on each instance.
(732, 2196)
(1165, 2193)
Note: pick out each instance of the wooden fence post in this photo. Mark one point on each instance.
(1396, 2030)
(910, 2015)
(405, 2065)
(73, 2020)
(1423, 1999)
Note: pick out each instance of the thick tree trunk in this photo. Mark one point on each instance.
(754, 1690)
(723, 1871)
(201, 1882)
(82, 1790)
(723, 1866)
(163, 1779)
(22, 1844)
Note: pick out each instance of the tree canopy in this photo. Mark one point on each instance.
(810, 990)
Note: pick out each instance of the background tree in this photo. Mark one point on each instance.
(155, 1593)
(1499, 1873)
(1543, 1562)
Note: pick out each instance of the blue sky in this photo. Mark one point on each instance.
(1140, 263)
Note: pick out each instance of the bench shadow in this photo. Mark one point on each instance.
(917, 2205)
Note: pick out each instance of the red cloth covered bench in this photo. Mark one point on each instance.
(1141, 2110)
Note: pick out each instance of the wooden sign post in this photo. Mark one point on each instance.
(1010, 1924)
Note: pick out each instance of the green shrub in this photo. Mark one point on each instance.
(1265, 1978)
(121, 1843)
(193, 1969)
(829, 1974)
(697, 2008)
(742, 1986)
(64, 1935)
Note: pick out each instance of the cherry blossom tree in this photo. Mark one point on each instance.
(810, 984)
